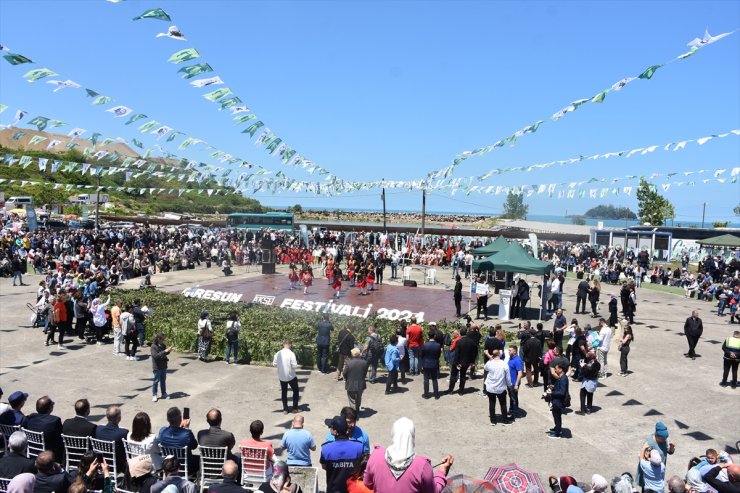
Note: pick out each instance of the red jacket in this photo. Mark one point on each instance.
(414, 336)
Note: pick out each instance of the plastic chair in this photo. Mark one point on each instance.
(431, 276)
(407, 273)
(36, 443)
(255, 467)
(133, 449)
(6, 431)
(212, 461)
(182, 456)
(74, 448)
(4, 482)
(108, 451)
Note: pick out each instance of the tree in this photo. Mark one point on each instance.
(514, 207)
(297, 208)
(736, 210)
(653, 207)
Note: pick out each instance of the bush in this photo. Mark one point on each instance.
(264, 328)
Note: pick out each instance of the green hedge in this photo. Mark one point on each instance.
(264, 328)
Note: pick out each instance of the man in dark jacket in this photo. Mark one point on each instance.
(457, 296)
(581, 295)
(79, 426)
(42, 421)
(354, 378)
(521, 298)
(230, 483)
(111, 432)
(159, 365)
(532, 351)
(50, 477)
(323, 340)
(693, 329)
(139, 317)
(15, 461)
(214, 436)
(465, 352)
(558, 397)
(733, 476)
(430, 353)
(345, 343)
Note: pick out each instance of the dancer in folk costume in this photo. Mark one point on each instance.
(351, 266)
(329, 270)
(293, 277)
(360, 280)
(307, 280)
(370, 276)
(337, 281)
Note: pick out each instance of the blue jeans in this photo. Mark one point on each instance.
(372, 360)
(721, 307)
(394, 270)
(232, 347)
(160, 377)
(322, 358)
(140, 332)
(17, 274)
(513, 402)
(414, 360)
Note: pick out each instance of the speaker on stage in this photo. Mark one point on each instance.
(409, 283)
(268, 268)
(268, 255)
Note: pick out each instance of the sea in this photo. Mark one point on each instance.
(611, 223)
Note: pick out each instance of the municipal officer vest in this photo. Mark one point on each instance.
(733, 343)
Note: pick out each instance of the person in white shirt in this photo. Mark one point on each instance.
(498, 381)
(605, 342)
(286, 364)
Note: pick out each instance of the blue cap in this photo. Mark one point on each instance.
(574, 489)
(17, 396)
(338, 424)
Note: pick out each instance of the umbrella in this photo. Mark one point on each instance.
(17, 211)
(466, 484)
(514, 479)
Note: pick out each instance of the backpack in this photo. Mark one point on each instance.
(205, 331)
(231, 332)
(130, 327)
(376, 345)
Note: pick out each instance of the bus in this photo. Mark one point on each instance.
(269, 220)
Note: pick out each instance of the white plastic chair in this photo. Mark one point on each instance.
(182, 456)
(108, 451)
(256, 469)
(431, 276)
(212, 461)
(6, 431)
(407, 273)
(133, 449)
(4, 482)
(36, 443)
(74, 448)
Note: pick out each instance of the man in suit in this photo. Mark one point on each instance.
(111, 432)
(230, 483)
(430, 353)
(693, 329)
(50, 477)
(465, 352)
(79, 426)
(214, 436)
(354, 379)
(15, 461)
(42, 421)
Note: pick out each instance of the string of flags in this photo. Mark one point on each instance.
(227, 99)
(511, 140)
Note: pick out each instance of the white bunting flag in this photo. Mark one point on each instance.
(76, 132)
(173, 33)
(211, 81)
(120, 111)
(62, 84)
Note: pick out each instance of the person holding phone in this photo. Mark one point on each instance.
(159, 366)
(178, 435)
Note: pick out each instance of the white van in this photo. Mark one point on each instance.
(18, 202)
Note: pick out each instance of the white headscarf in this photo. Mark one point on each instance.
(695, 482)
(401, 453)
(599, 483)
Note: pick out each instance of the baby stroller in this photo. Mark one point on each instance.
(39, 318)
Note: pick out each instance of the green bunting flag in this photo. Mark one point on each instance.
(243, 118)
(137, 116)
(154, 14)
(148, 126)
(16, 59)
(137, 143)
(100, 100)
(173, 136)
(649, 72)
(188, 142)
(92, 93)
(218, 94)
(18, 135)
(229, 102)
(38, 73)
(95, 137)
(3, 107)
(599, 98)
(184, 55)
(36, 139)
(40, 122)
(252, 129)
(273, 145)
(195, 70)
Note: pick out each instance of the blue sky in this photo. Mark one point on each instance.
(393, 90)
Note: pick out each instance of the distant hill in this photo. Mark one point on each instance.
(7, 141)
(609, 212)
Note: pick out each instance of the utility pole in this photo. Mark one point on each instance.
(382, 196)
(97, 201)
(703, 214)
(423, 213)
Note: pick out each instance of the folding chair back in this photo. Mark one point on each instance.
(108, 450)
(4, 482)
(407, 273)
(74, 449)
(6, 431)
(182, 456)
(212, 460)
(36, 443)
(431, 277)
(254, 466)
(134, 449)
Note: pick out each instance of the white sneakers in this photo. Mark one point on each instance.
(154, 398)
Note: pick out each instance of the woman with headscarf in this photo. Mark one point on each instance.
(205, 336)
(22, 483)
(97, 309)
(399, 469)
(599, 484)
(280, 481)
(695, 483)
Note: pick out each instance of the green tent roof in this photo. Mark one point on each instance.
(514, 259)
(498, 244)
(723, 240)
